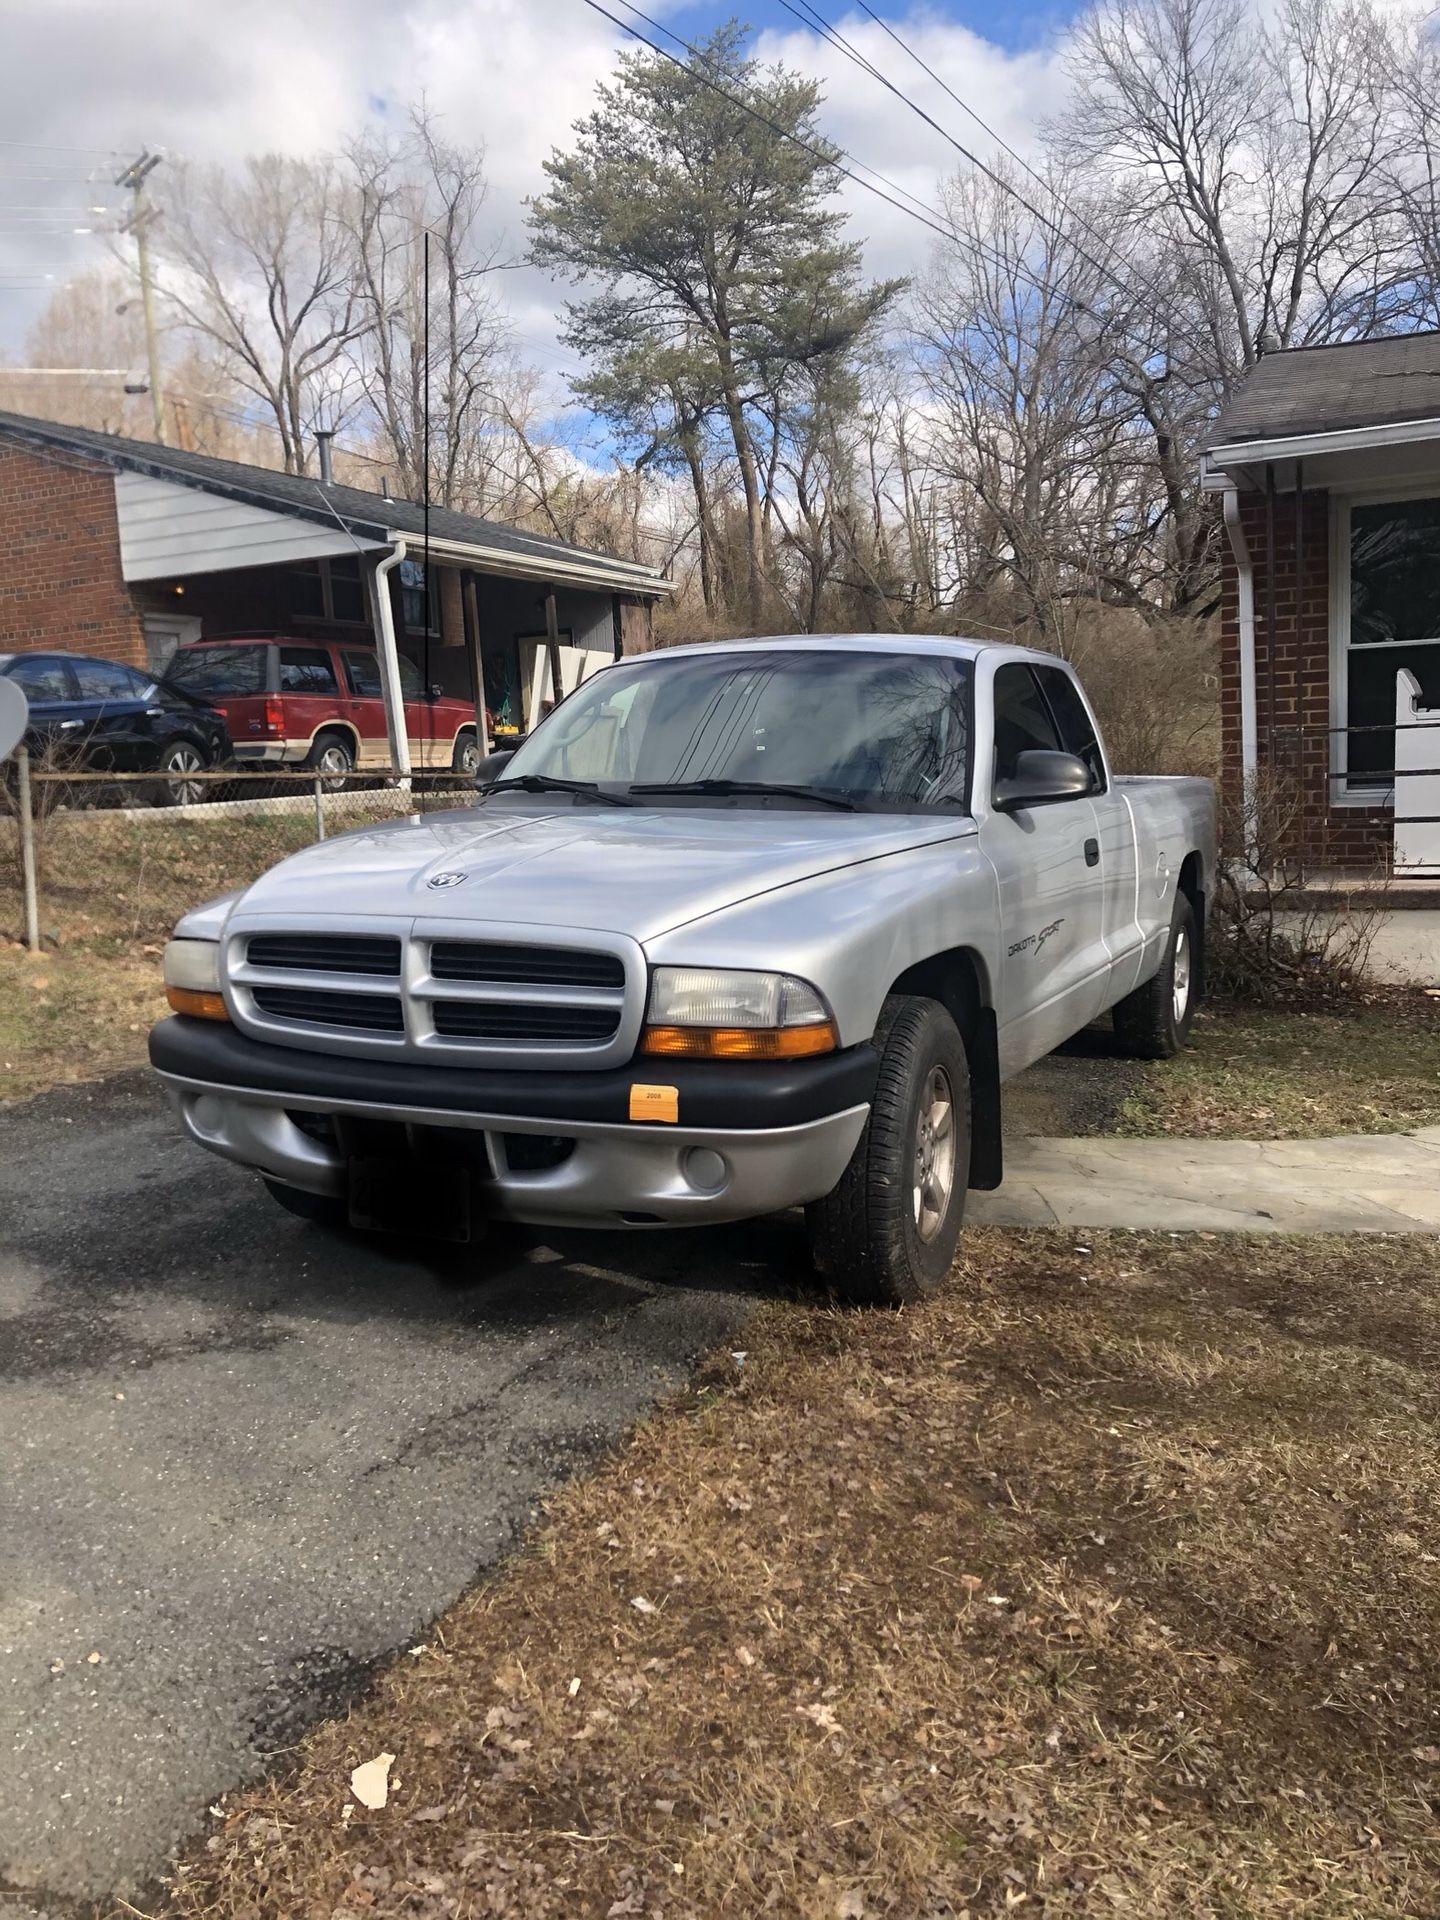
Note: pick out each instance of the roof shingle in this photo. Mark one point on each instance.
(364, 514)
(1362, 383)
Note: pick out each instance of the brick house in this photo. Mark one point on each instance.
(1328, 460)
(126, 549)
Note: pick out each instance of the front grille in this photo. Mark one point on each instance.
(326, 953)
(483, 1020)
(424, 993)
(316, 1007)
(486, 960)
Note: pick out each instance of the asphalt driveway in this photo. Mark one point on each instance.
(242, 1460)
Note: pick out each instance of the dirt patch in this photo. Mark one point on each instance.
(1373, 1067)
(1104, 1582)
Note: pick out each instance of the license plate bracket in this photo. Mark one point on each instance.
(403, 1196)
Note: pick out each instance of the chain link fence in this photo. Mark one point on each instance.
(109, 862)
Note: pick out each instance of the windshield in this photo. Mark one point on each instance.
(210, 672)
(883, 730)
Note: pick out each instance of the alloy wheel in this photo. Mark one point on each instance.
(934, 1172)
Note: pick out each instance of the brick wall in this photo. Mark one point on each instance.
(60, 584)
(1292, 679)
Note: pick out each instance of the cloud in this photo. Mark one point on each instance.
(219, 81)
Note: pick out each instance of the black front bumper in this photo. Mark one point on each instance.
(741, 1096)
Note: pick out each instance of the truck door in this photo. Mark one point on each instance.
(1054, 965)
(1115, 828)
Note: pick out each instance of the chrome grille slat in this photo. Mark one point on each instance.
(516, 965)
(325, 953)
(482, 1020)
(427, 989)
(321, 1007)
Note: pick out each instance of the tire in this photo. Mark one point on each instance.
(180, 758)
(466, 758)
(881, 1237)
(1153, 1022)
(321, 1209)
(332, 755)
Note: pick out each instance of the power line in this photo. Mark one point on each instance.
(1134, 283)
(919, 210)
(50, 146)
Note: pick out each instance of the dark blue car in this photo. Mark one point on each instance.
(100, 716)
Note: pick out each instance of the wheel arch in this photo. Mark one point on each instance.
(346, 728)
(1191, 883)
(958, 978)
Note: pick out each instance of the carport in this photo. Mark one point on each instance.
(181, 546)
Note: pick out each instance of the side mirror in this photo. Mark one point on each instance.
(437, 692)
(1042, 777)
(491, 765)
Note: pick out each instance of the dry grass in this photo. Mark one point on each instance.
(1265, 1074)
(1103, 1583)
(68, 1016)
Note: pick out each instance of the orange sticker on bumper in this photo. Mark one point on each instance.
(654, 1103)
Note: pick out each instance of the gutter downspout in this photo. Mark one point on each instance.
(1245, 597)
(388, 655)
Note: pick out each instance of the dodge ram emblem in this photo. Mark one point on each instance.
(447, 880)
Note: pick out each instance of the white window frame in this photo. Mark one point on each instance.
(1341, 794)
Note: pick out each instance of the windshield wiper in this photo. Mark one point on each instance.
(721, 789)
(548, 783)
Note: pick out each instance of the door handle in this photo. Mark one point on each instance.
(1092, 853)
(67, 725)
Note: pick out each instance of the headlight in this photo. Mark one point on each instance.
(192, 979)
(724, 1014)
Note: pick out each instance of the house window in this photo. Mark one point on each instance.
(1389, 618)
(415, 604)
(329, 590)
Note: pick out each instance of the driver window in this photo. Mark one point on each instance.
(598, 742)
(1022, 719)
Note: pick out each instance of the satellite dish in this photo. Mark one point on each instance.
(14, 716)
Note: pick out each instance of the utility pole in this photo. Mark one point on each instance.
(134, 177)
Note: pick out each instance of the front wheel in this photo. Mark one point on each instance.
(1153, 1022)
(887, 1233)
(466, 758)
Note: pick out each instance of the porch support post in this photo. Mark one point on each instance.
(1245, 610)
(552, 646)
(388, 656)
(477, 661)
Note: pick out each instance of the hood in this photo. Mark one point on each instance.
(622, 870)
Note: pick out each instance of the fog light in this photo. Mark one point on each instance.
(706, 1170)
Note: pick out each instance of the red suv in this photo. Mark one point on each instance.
(317, 703)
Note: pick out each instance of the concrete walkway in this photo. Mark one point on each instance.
(1358, 1183)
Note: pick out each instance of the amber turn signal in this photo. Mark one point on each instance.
(200, 1006)
(741, 1043)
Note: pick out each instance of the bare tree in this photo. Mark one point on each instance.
(435, 332)
(260, 264)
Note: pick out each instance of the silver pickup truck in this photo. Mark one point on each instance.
(738, 928)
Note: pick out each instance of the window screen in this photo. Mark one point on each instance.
(347, 592)
(306, 670)
(1022, 719)
(305, 592)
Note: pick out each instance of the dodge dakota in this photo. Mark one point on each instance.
(739, 928)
